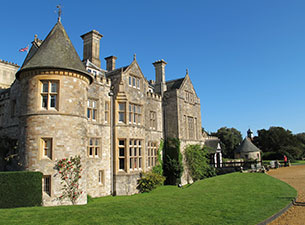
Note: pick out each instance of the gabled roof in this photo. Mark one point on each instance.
(174, 84)
(56, 51)
(247, 146)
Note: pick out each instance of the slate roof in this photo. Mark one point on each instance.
(174, 84)
(212, 144)
(247, 146)
(56, 51)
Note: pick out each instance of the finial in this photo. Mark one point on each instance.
(187, 71)
(59, 12)
(134, 56)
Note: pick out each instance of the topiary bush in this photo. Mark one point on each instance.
(19, 189)
(150, 181)
(197, 162)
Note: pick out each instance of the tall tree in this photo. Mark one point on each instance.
(230, 138)
(281, 142)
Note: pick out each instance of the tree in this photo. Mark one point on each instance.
(229, 138)
(9, 155)
(70, 173)
(197, 162)
(280, 142)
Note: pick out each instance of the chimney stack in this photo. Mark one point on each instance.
(110, 63)
(91, 50)
(160, 85)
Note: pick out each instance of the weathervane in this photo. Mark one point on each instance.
(59, 12)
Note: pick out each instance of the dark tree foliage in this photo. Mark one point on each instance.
(230, 138)
(172, 161)
(277, 142)
(9, 156)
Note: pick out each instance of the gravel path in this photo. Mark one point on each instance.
(294, 176)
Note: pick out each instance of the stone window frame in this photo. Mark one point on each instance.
(46, 184)
(46, 147)
(92, 109)
(101, 177)
(46, 104)
(135, 113)
(94, 147)
(189, 97)
(152, 154)
(121, 155)
(121, 111)
(107, 112)
(153, 120)
(135, 154)
(134, 81)
(190, 127)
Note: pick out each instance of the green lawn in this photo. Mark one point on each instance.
(228, 199)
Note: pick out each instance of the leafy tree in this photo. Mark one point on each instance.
(279, 141)
(9, 155)
(70, 173)
(198, 163)
(229, 138)
(172, 161)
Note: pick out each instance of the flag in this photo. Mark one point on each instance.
(24, 49)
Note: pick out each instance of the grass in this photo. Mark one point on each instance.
(228, 199)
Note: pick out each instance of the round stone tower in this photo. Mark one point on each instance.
(54, 83)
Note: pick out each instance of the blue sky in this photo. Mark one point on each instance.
(246, 58)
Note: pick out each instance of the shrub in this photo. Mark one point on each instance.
(172, 161)
(150, 181)
(198, 163)
(19, 189)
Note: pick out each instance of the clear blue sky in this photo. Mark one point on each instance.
(246, 58)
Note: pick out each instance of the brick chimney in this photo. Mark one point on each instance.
(160, 85)
(91, 50)
(110, 63)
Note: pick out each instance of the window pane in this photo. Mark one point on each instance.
(140, 152)
(88, 113)
(94, 104)
(121, 164)
(130, 163)
(53, 101)
(54, 87)
(129, 80)
(140, 162)
(94, 114)
(121, 152)
(135, 151)
(96, 141)
(121, 117)
(133, 81)
(135, 163)
(130, 151)
(91, 151)
(44, 101)
(91, 141)
(122, 106)
(138, 83)
(121, 142)
(96, 151)
(88, 103)
(45, 87)
(106, 106)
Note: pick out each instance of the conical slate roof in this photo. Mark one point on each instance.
(56, 51)
(247, 146)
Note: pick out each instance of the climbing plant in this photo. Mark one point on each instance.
(70, 174)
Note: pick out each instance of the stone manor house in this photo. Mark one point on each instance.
(59, 106)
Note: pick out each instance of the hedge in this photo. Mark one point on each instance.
(19, 189)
